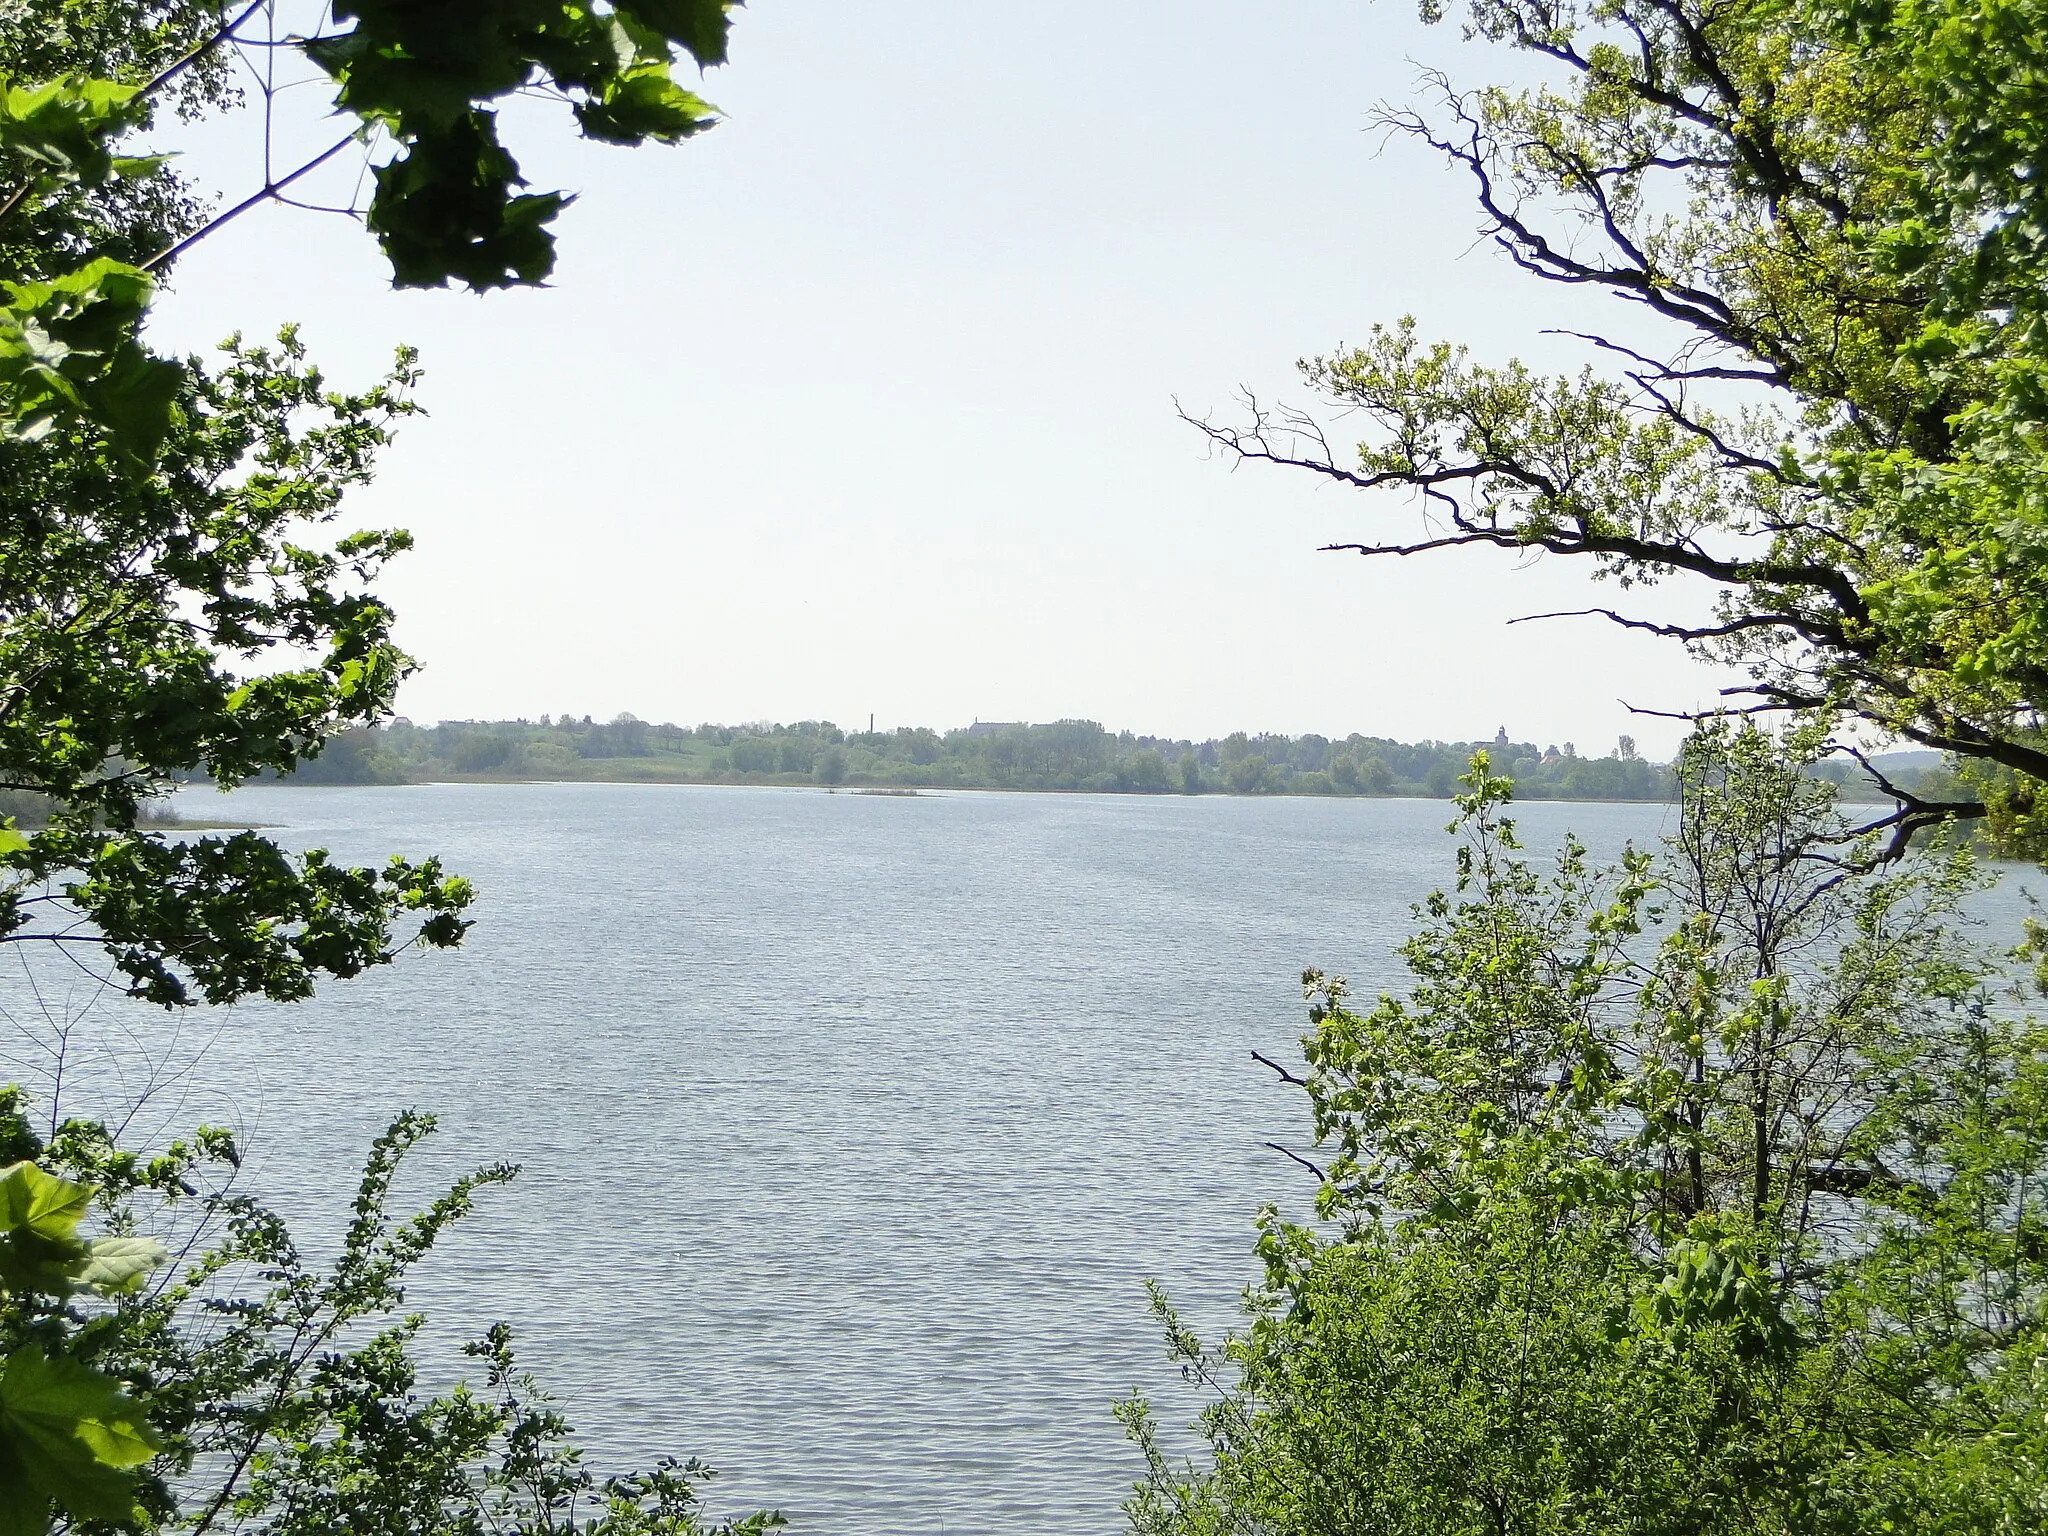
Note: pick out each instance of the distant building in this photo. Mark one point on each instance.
(992, 727)
(1500, 737)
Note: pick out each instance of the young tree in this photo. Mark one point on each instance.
(1738, 1231)
(1825, 399)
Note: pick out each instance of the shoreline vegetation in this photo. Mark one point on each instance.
(1065, 755)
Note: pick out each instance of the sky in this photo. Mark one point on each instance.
(864, 403)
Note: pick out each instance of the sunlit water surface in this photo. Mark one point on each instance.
(852, 1125)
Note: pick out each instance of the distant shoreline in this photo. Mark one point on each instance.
(886, 790)
(1062, 757)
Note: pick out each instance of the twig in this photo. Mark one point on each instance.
(265, 194)
(1285, 1075)
(171, 71)
(1297, 1157)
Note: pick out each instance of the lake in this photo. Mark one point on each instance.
(852, 1125)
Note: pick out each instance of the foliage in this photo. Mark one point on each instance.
(166, 602)
(262, 1392)
(68, 1434)
(1827, 401)
(1066, 755)
(73, 58)
(445, 205)
(171, 604)
(130, 598)
(1740, 1228)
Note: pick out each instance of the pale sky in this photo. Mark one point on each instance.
(864, 401)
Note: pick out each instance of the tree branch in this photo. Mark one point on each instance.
(164, 76)
(1297, 1157)
(267, 193)
(1284, 1075)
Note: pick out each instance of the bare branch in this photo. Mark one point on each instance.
(269, 192)
(1297, 1157)
(1802, 626)
(1284, 1075)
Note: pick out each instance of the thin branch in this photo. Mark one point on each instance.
(1944, 734)
(1807, 627)
(15, 199)
(164, 76)
(1668, 370)
(1297, 1157)
(1877, 775)
(1284, 1075)
(1695, 716)
(265, 194)
(1731, 456)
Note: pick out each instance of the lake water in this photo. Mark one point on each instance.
(852, 1125)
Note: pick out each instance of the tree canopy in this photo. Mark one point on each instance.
(1702, 1193)
(1825, 398)
(1060, 755)
(172, 596)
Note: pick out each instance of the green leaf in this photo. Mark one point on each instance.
(644, 103)
(133, 400)
(62, 128)
(24, 1509)
(445, 209)
(129, 167)
(701, 26)
(39, 1245)
(38, 1202)
(75, 1433)
(68, 350)
(117, 1264)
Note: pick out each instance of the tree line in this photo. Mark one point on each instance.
(1065, 755)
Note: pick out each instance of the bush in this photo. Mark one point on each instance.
(1741, 1231)
(260, 1388)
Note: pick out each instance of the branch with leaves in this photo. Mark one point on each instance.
(164, 550)
(1823, 221)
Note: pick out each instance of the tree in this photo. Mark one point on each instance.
(485, 752)
(1742, 1230)
(169, 604)
(1826, 221)
(444, 205)
(160, 549)
(1247, 774)
(1144, 771)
